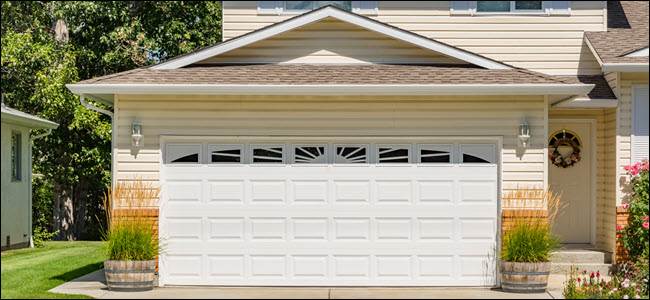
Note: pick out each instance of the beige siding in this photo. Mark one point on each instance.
(331, 116)
(603, 204)
(612, 80)
(625, 129)
(331, 41)
(611, 180)
(551, 45)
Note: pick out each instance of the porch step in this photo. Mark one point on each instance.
(564, 268)
(581, 256)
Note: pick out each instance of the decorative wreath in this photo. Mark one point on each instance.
(565, 162)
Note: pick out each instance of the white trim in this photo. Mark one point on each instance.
(633, 100)
(329, 89)
(593, 50)
(594, 177)
(639, 53)
(587, 103)
(341, 15)
(625, 67)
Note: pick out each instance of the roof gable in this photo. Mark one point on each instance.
(331, 41)
(338, 14)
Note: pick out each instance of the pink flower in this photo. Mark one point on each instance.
(598, 273)
(626, 206)
(637, 296)
(645, 225)
(645, 218)
(619, 228)
(626, 297)
(592, 275)
(611, 292)
(579, 280)
(584, 272)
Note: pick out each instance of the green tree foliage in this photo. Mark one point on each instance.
(103, 37)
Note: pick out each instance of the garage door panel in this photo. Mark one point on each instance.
(366, 224)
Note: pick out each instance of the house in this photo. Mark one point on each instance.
(367, 143)
(17, 175)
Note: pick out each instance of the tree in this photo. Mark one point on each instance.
(46, 45)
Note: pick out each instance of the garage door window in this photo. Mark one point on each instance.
(223, 154)
(272, 154)
(310, 154)
(435, 154)
(183, 153)
(478, 153)
(393, 154)
(351, 154)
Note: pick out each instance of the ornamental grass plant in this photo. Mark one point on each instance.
(531, 211)
(131, 234)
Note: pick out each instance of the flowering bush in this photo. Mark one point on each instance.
(591, 286)
(635, 235)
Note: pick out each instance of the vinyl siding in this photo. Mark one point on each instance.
(331, 41)
(552, 45)
(331, 116)
(625, 130)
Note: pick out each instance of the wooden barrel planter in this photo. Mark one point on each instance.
(129, 276)
(520, 277)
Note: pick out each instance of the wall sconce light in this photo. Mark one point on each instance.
(136, 134)
(524, 134)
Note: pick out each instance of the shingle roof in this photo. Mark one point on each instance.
(601, 90)
(16, 116)
(627, 31)
(304, 74)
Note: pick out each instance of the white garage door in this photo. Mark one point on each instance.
(337, 212)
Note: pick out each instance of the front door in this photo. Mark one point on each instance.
(573, 223)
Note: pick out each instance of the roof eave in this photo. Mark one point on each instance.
(625, 67)
(328, 89)
(31, 122)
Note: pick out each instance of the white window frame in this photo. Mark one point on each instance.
(545, 10)
(421, 147)
(251, 154)
(169, 162)
(281, 10)
(633, 149)
(242, 152)
(368, 154)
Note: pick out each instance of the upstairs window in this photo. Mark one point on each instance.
(508, 6)
(298, 7)
(548, 8)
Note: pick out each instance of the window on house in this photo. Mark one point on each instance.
(268, 154)
(298, 6)
(16, 156)
(640, 121)
(393, 154)
(508, 6)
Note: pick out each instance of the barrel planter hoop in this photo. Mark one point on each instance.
(522, 277)
(129, 276)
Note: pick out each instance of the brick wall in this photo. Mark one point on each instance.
(621, 220)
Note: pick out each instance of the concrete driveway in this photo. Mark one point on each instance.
(94, 285)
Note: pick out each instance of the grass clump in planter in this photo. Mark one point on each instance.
(132, 233)
(527, 240)
(132, 244)
(529, 236)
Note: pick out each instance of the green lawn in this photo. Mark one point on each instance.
(30, 273)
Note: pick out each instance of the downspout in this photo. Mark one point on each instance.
(109, 113)
(31, 141)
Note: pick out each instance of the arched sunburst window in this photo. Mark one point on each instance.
(564, 135)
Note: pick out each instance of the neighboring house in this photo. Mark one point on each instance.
(17, 175)
(369, 145)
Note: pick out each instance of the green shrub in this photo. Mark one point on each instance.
(41, 235)
(635, 235)
(529, 237)
(131, 234)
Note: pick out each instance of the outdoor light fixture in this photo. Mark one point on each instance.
(524, 134)
(136, 134)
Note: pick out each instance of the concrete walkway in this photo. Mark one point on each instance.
(94, 285)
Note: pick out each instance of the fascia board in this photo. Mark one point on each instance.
(386, 89)
(625, 67)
